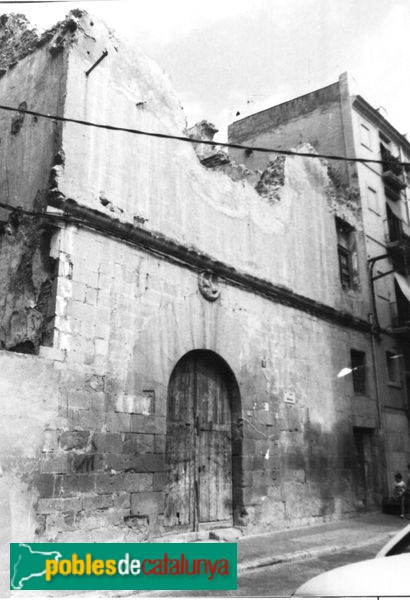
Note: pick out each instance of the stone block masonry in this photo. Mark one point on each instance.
(100, 409)
(97, 470)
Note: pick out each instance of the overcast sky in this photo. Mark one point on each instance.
(229, 55)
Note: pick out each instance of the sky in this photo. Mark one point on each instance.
(225, 56)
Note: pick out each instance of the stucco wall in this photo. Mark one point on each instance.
(134, 177)
(315, 118)
(28, 147)
(30, 400)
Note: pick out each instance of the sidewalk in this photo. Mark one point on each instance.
(295, 544)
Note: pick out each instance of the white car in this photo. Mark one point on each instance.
(386, 575)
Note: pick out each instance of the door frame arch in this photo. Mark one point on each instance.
(236, 425)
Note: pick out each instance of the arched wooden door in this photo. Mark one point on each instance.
(199, 486)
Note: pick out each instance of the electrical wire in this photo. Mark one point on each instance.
(192, 140)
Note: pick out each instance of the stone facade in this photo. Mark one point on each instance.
(150, 257)
(337, 122)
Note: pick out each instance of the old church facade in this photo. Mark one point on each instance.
(172, 324)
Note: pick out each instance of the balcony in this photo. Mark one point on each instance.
(400, 320)
(392, 173)
(397, 238)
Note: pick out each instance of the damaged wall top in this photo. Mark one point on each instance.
(33, 75)
(159, 181)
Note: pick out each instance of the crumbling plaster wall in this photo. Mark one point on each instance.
(33, 77)
(138, 178)
(30, 400)
(27, 276)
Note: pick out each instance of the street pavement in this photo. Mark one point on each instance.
(281, 580)
(295, 544)
(277, 563)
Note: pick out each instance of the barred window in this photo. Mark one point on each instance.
(344, 267)
(346, 250)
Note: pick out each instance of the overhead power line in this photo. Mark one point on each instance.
(191, 140)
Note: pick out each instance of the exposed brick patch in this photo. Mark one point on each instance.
(27, 277)
(215, 157)
(272, 180)
(17, 39)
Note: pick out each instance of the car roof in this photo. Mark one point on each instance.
(394, 541)
(388, 576)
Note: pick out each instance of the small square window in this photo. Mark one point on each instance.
(393, 367)
(358, 365)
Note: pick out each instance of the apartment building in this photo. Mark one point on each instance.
(337, 122)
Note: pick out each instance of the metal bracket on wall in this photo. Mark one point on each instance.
(371, 262)
(97, 62)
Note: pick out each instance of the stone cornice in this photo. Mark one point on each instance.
(194, 259)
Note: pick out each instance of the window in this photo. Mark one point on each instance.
(346, 250)
(393, 367)
(365, 136)
(400, 308)
(372, 200)
(358, 365)
(344, 267)
(384, 139)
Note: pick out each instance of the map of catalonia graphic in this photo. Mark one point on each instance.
(30, 563)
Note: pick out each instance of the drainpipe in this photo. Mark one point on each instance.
(375, 326)
(380, 413)
(371, 263)
(373, 334)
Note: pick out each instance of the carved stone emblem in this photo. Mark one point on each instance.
(209, 286)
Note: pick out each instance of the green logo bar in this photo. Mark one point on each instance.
(196, 566)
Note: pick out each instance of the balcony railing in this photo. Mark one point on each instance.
(390, 162)
(392, 173)
(399, 319)
(397, 231)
